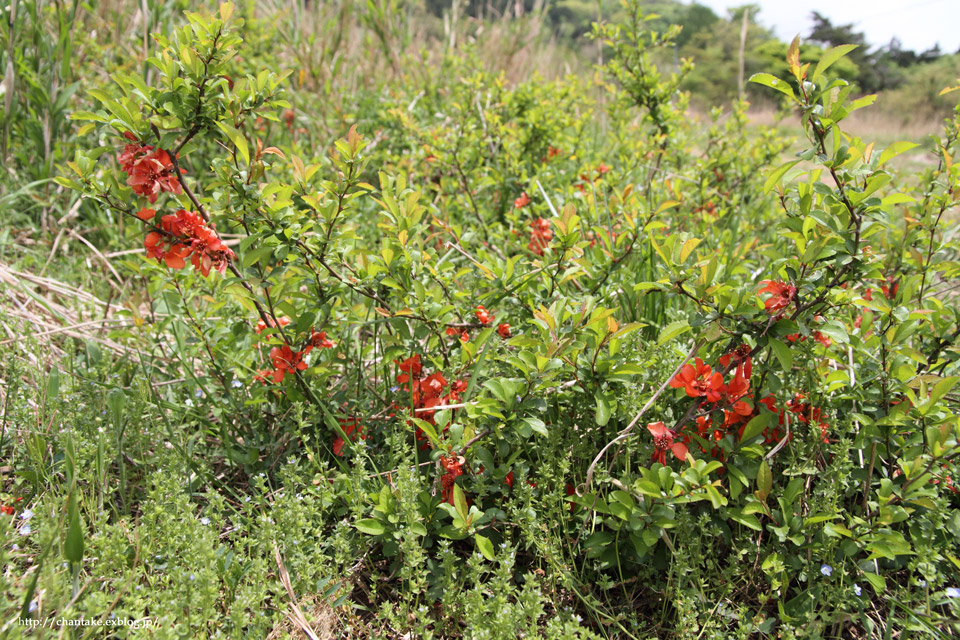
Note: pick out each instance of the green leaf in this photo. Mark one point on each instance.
(672, 330)
(603, 410)
(895, 149)
(756, 426)
(460, 502)
(764, 479)
(237, 139)
(484, 546)
(370, 526)
(773, 82)
(53, 383)
(829, 57)
(73, 546)
(747, 520)
(537, 425)
(878, 582)
(941, 389)
(783, 353)
(776, 175)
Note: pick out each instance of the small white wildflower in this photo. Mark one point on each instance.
(204, 521)
(952, 592)
(25, 530)
(26, 515)
(857, 590)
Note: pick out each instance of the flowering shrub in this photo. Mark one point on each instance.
(461, 348)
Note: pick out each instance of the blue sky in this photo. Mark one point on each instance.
(919, 24)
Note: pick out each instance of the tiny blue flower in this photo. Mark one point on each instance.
(25, 530)
(922, 583)
(857, 590)
(188, 402)
(193, 577)
(33, 606)
(204, 521)
(198, 393)
(394, 389)
(952, 592)
(826, 569)
(26, 515)
(236, 384)
(246, 499)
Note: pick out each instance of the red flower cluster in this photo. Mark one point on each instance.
(781, 295)
(453, 331)
(808, 415)
(453, 468)
(285, 360)
(552, 152)
(8, 509)
(319, 340)
(947, 479)
(541, 233)
(730, 399)
(185, 234)
(890, 288)
(149, 170)
(503, 330)
(427, 392)
(261, 325)
(522, 201)
(484, 316)
(591, 177)
(351, 427)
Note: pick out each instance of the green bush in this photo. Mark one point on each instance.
(539, 358)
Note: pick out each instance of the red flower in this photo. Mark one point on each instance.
(522, 201)
(453, 468)
(663, 442)
(890, 288)
(822, 339)
(868, 294)
(509, 480)
(484, 316)
(698, 381)
(540, 236)
(452, 331)
(504, 330)
(149, 171)
(8, 510)
(412, 368)
(185, 234)
(319, 339)
(285, 361)
(349, 426)
(602, 169)
(146, 214)
(781, 295)
(282, 321)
